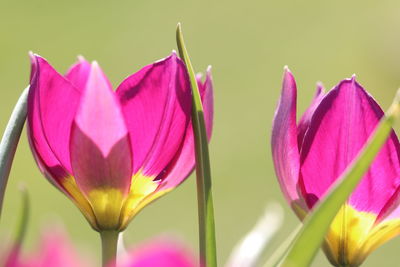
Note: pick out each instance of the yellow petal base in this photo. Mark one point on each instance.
(107, 208)
(353, 235)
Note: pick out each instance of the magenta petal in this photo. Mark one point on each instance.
(184, 161)
(56, 250)
(339, 128)
(305, 120)
(78, 74)
(391, 210)
(53, 102)
(156, 103)
(160, 253)
(100, 147)
(285, 152)
(44, 156)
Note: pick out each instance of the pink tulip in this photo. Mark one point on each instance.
(311, 154)
(112, 153)
(54, 250)
(161, 253)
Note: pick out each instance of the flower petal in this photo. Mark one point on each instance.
(100, 148)
(78, 74)
(184, 161)
(44, 156)
(162, 253)
(339, 128)
(285, 150)
(305, 120)
(53, 102)
(156, 103)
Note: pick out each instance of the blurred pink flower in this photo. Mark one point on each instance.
(54, 250)
(112, 153)
(160, 252)
(311, 154)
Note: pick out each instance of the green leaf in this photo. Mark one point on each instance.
(9, 142)
(207, 246)
(317, 223)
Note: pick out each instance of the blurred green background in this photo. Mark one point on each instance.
(247, 43)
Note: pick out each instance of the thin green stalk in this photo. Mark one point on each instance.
(316, 225)
(207, 246)
(24, 217)
(109, 244)
(9, 141)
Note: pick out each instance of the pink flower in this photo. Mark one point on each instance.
(311, 154)
(162, 253)
(112, 153)
(54, 250)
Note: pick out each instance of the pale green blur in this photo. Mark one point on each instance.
(247, 43)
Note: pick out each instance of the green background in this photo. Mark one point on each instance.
(247, 43)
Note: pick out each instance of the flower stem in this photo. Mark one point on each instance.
(109, 241)
(9, 141)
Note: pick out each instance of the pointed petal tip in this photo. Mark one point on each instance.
(208, 75)
(81, 59)
(288, 76)
(320, 88)
(33, 56)
(173, 56)
(95, 69)
(287, 73)
(34, 65)
(95, 64)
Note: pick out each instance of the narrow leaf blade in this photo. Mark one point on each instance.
(207, 246)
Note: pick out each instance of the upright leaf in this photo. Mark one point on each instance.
(203, 171)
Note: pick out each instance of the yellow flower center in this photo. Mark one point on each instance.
(107, 208)
(353, 235)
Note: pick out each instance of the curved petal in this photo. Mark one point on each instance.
(78, 74)
(305, 120)
(54, 101)
(100, 148)
(339, 128)
(44, 156)
(156, 103)
(56, 249)
(48, 163)
(285, 150)
(183, 163)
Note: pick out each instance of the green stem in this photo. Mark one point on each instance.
(109, 242)
(9, 141)
(208, 255)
